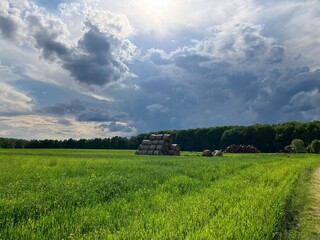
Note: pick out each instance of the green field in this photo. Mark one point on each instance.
(97, 194)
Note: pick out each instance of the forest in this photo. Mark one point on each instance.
(266, 137)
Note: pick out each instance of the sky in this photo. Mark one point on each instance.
(104, 68)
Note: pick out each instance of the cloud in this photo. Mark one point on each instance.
(237, 45)
(47, 36)
(166, 19)
(95, 63)
(97, 57)
(304, 101)
(14, 101)
(46, 127)
(94, 115)
(117, 127)
(235, 75)
(123, 66)
(158, 57)
(10, 21)
(84, 111)
(153, 108)
(289, 94)
(74, 107)
(8, 27)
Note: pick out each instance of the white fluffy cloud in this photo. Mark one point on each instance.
(13, 101)
(41, 127)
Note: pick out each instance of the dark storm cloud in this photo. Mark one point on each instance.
(232, 76)
(291, 92)
(84, 111)
(98, 58)
(74, 107)
(95, 116)
(8, 27)
(304, 101)
(94, 62)
(46, 38)
(101, 112)
(155, 104)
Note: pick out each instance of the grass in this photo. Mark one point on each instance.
(307, 202)
(97, 194)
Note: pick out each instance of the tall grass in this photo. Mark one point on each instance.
(86, 194)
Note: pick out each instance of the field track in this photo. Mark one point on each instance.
(316, 192)
(310, 217)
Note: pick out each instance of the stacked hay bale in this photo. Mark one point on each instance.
(158, 144)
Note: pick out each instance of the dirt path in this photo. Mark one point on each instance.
(312, 219)
(315, 191)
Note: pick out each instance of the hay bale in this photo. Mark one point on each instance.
(175, 147)
(143, 147)
(207, 153)
(152, 137)
(159, 147)
(168, 138)
(152, 147)
(218, 153)
(171, 152)
(159, 137)
(146, 142)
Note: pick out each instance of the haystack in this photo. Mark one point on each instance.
(207, 153)
(158, 144)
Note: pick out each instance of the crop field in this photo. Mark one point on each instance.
(100, 194)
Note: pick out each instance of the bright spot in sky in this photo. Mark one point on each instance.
(156, 4)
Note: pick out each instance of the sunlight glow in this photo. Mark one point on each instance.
(158, 4)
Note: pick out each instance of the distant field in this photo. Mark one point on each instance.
(97, 194)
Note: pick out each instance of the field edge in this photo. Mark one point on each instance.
(294, 225)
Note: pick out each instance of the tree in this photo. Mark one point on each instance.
(235, 135)
(298, 145)
(284, 135)
(315, 146)
(262, 137)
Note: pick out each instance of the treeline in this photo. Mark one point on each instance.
(97, 143)
(267, 138)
